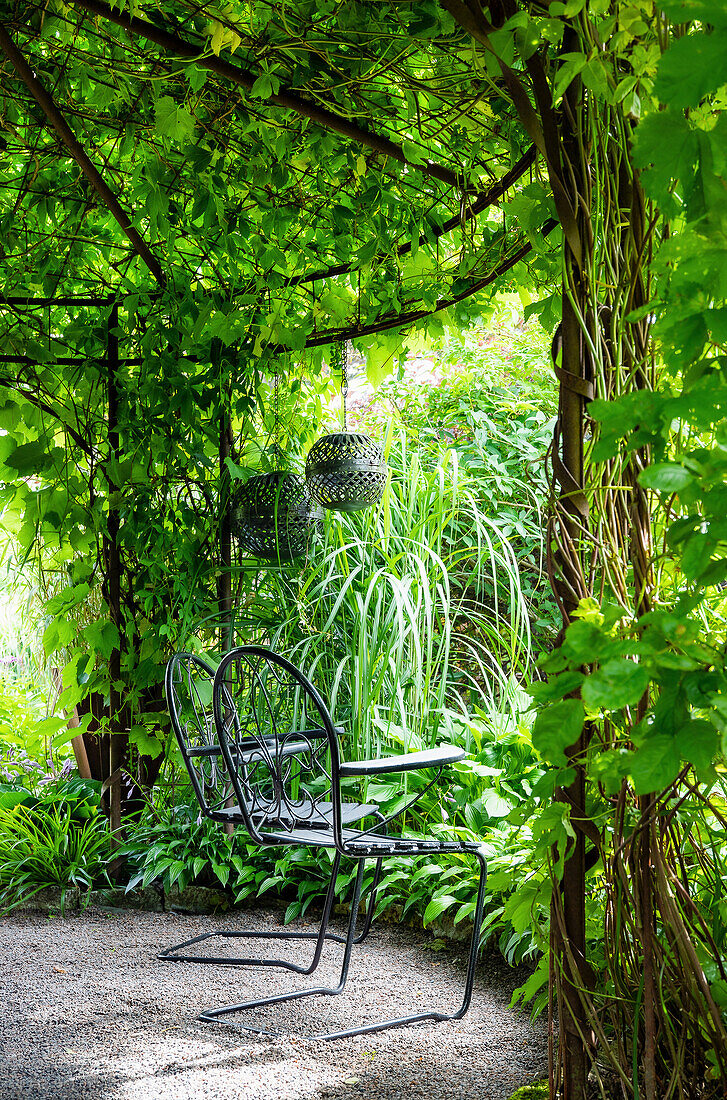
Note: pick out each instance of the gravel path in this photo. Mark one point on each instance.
(89, 1011)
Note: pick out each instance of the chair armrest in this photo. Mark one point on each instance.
(409, 761)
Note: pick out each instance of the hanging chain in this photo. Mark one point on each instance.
(341, 352)
(276, 415)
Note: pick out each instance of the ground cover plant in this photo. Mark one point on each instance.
(55, 837)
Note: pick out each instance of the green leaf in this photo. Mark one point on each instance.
(655, 764)
(718, 990)
(557, 687)
(558, 727)
(172, 120)
(691, 68)
(698, 742)
(292, 912)
(522, 906)
(67, 733)
(146, 743)
(50, 637)
(10, 797)
(667, 477)
(495, 805)
(413, 153)
(222, 870)
(666, 149)
(584, 641)
(196, 76)
(702, 11)
(717, 324)
(380, 358)
(572, 64)
(28, 458)
(437, 906)
(266, 85)
(617, 683)
(237, 473)
(102, 637)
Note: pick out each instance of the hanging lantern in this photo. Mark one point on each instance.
(345, 471)
(273, 516)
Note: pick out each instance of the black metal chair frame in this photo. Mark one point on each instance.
(269, 769)
(214, 792)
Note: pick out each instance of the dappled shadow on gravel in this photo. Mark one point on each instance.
(89, 1011)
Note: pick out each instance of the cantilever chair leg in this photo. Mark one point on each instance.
(216, 1015)
(319, 937)
(213, 1015)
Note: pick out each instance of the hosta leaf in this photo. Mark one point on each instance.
(292, 912)
(437, 906)
(495, 805)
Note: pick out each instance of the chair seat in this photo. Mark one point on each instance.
(361, 845)
(317, 818)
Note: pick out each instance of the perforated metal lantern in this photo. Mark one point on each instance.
(273, 516)
(346, 471)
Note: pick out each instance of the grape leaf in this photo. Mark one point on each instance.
(557, 727)
(173, 121)
(691, 68)
(617, 683)
(666, 149)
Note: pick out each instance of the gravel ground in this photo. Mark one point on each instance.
(91, 1012)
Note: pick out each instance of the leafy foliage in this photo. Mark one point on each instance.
(58, 838)
(268, 226)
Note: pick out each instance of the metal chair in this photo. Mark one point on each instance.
(283, 755)
(189, 683)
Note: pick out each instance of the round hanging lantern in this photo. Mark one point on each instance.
(345, 471)
(273, 516)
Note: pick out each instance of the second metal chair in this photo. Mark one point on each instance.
(189, 685)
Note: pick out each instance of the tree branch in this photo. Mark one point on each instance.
(65, 133)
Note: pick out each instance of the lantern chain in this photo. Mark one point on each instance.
(276, 449)
(341, 357)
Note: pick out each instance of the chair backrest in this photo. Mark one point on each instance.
(188, 683)
(279, 741)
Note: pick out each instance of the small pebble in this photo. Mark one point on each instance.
(122, 1024)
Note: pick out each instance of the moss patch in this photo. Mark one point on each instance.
(538, 1091)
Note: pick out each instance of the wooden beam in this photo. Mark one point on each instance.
(283, 98)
